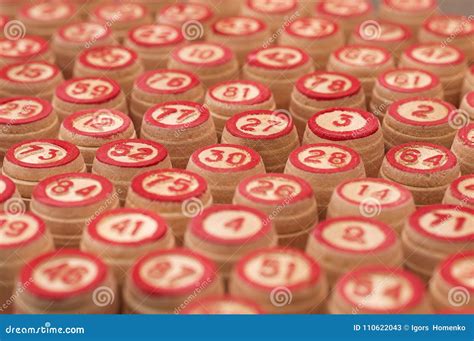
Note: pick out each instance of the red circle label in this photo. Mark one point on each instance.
(46, 153)
(131, 153)
(275, 267)
(97, 123)
(421, 157)
(435, 54)
(345, 8)
(183, 12)
(324, 158)
(72, 190)
(260, 124)
(176, 115)
(325, 85)
(408, 80)
(167, 81)
(131, 227)
(19, 229)
(238, 26)
(313, 28)
(226, 158)
(421, 111)
(272, 6)
(89, 90)
(174, 271)
(458, 270)
(32, 72)
(108, 57)
(121, 12)
(23, 48)
(62, 274)
(448, 25)
(203, 54)
(155, 35)
(278, 57)
(411, 5)
(355, 235)
(463, 188)
(49, 11)
(21, 110)
(378, 289)
(169, 185)
(240, 92)
(275, 188)
(83, 32)
(357, 55)
(444, 222)
(384, 193)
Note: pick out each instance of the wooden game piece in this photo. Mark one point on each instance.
(23, 118)
(26, 49)
(112, 61)
(463, 147)
(224, 166)
(272, 134)
(411, 13)
(425, 169)
(241, 34)
(396, 84)
(378, 289)
(341, 245)
(211, 62)
(165, 281)
(28, 162)
(324, 166)
(351, 127)
(461, 192)
(387, 34)
(322, 90)
(347, 13)
(66, 282)
(221, 9)
(43, 18)
(288, 201)
(467, 105)
(451, 286)
(181, 127)
(406, 119)
(281, 281)
(120, 236)
(225, 233)
(123, 16)
(447, 62)
(434, 232)
(68, 202)
(37, 79)
(228, 98)
(23, 237)
(449, 30)
(278, 67)
(92, 128)
(177, 195)
(164, 85)
(78, 94)
(121, 160)
(362, 61)
(154, 43)
(222, 305)
(72, 39)
(380, 199)
(318, 36)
